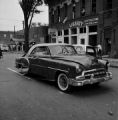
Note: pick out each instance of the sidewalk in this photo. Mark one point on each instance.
(113, 62)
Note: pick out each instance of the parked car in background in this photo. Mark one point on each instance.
(61, 63)
(4, 47)
(86, 49)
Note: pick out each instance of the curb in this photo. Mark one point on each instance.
(113, 62)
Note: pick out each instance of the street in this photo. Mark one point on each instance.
(29, 98)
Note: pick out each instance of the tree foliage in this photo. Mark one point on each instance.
(29, 8)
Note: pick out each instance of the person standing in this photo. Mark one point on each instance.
(99, 50)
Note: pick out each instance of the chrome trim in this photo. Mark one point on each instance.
(58, 69)
(50, 68)
(92, 80)
(93, 70)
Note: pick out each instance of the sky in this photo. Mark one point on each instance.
(11, 15)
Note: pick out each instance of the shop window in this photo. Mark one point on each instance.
(83, 30)
(66, 32)
(93, 6)
(66, 39)
(74, 31)
(74, 39)
(93, 28)
(82, 41)
(59, 33)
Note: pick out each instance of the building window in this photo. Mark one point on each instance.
(83, 8)
(66, 32)
(35, 36)
(82, 41)
(65, 9)
(66, 39)
(93, 28)
(74, 31)
(74, 40)
(93, 6)
(53, 40)
(58, 10)
(5, 35)
(52, 15)
(59, 33)
(83, 30)
(73, 8)
(109, 4)
(11, 35)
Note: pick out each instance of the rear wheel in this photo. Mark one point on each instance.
(63, 82)
(24, 70)
(24, 66)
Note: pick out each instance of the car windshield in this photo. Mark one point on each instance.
(62, 50)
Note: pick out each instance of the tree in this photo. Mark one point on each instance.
(29, 8)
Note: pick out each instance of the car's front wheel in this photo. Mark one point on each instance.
(63, 82)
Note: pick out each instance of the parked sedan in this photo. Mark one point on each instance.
(61, 63)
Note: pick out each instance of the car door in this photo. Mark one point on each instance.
(39, 61)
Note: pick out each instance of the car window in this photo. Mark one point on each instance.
(62, 50)
(40, 51)
(91, 51)
(80, 50)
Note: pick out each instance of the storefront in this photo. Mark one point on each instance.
(76, 32)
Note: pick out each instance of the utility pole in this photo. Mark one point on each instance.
(14, 30)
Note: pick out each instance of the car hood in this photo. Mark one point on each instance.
(85, 60)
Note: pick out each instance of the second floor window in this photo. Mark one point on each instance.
(109, 4)
(58, 10)
(73, 8)
(83, 8)
(93, 6)
(65, 9)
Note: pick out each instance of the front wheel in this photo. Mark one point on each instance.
(63, 82)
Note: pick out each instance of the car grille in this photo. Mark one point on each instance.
(96, 73)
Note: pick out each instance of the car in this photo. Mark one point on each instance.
(4, 47)
(62, 64)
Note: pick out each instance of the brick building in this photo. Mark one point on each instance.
(89, 22)
(6, 36)
(39, 34)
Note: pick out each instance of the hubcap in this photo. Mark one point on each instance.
(63, 82)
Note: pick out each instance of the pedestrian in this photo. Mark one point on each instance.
(99, 50)
(1, 53)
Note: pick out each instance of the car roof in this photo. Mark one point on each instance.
(49, 44)
(82, 45)
(46, 44)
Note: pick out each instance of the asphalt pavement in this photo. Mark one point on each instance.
(30, 98)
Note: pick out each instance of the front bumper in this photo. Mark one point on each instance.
(81, 81)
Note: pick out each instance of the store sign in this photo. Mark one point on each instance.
(85, 22)
(76, 23)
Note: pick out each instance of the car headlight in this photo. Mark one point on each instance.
(78, 68)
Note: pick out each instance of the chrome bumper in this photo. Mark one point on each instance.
(80, 80)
